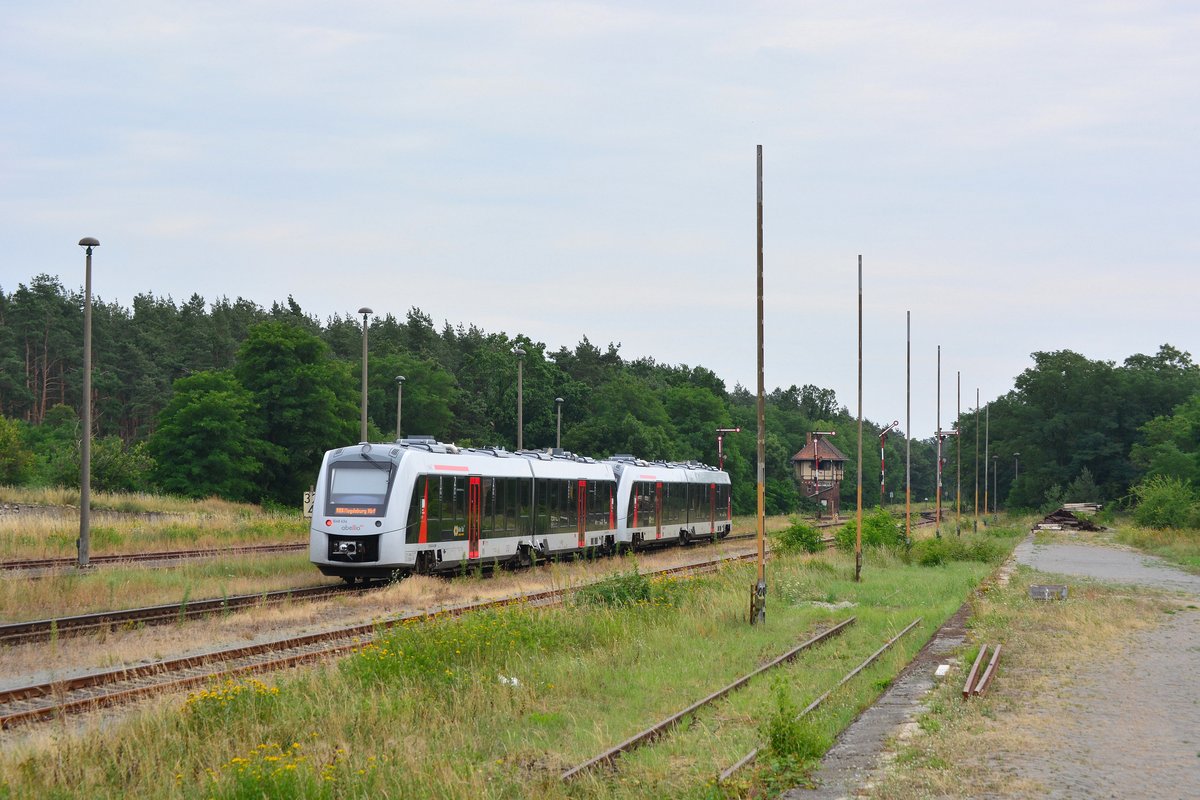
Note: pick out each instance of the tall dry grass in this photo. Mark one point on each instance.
(38, 533)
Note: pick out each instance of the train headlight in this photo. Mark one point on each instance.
(328, 523)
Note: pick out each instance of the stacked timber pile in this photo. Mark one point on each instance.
(1065, 520)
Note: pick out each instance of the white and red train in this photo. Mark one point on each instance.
(418, 505)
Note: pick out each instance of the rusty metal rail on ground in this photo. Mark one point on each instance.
(100, 689)
(658, 729)
(977, 682)
(17, 565)
(164, 555)
(753, 754)
(42, 630)
(170, 613)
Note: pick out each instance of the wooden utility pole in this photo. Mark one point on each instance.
(759, 614)
(858, 516)
(958, 456)
(976, 524)
(907, 428)
(937, 514)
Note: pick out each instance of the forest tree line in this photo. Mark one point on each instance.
(234, 399)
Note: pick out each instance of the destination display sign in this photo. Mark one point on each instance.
(358, 511)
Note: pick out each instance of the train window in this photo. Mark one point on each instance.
(597, 505)
(522, 503)
(570, 505)
(499, 502)
(359, 488)
(487, 506)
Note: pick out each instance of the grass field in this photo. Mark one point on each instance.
(47, 525)
(73, 592)
(1180, 547)
(498, 704)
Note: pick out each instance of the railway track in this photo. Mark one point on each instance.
(164, 555)
(19, 565)
(45, 629)
(42, 630)
(49, 700)
(609, 756)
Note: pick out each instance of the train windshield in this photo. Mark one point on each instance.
(359, 488)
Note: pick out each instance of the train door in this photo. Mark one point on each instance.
(581, 511)
(712, 508)
(658, 510)
(474, 516)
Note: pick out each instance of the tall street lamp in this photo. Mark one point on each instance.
(399, 403)
(520, 354)
(85, 447)
(1016, 468)
(558, 401)
(366, 312)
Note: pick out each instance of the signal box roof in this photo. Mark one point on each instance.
(821, 449)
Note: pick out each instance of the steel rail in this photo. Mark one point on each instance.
(41, 630)
(658, 729)
(17, 565)
(163, 555)
(98, 689)
(45, 629)
(753, 754)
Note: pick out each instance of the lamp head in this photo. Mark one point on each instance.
(88, 241)
(365, 310)
(518, 352)
(400, 380)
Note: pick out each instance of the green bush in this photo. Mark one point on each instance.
(789, 737)
(1165, 502)
(797, 538)
(622, 589)
(935, 552)
(880, 529)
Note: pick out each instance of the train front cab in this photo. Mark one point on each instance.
(355, 513)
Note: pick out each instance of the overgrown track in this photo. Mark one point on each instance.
(107, 688)
(44, 629)
(165, 555)
(609, 756)
(753, 754)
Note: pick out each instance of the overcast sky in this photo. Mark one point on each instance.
(1021, 176)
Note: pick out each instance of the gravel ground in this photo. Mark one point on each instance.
(1127, 727)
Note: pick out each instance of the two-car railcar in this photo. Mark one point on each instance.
(417, 505)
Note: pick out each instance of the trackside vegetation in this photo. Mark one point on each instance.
(497, 704)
